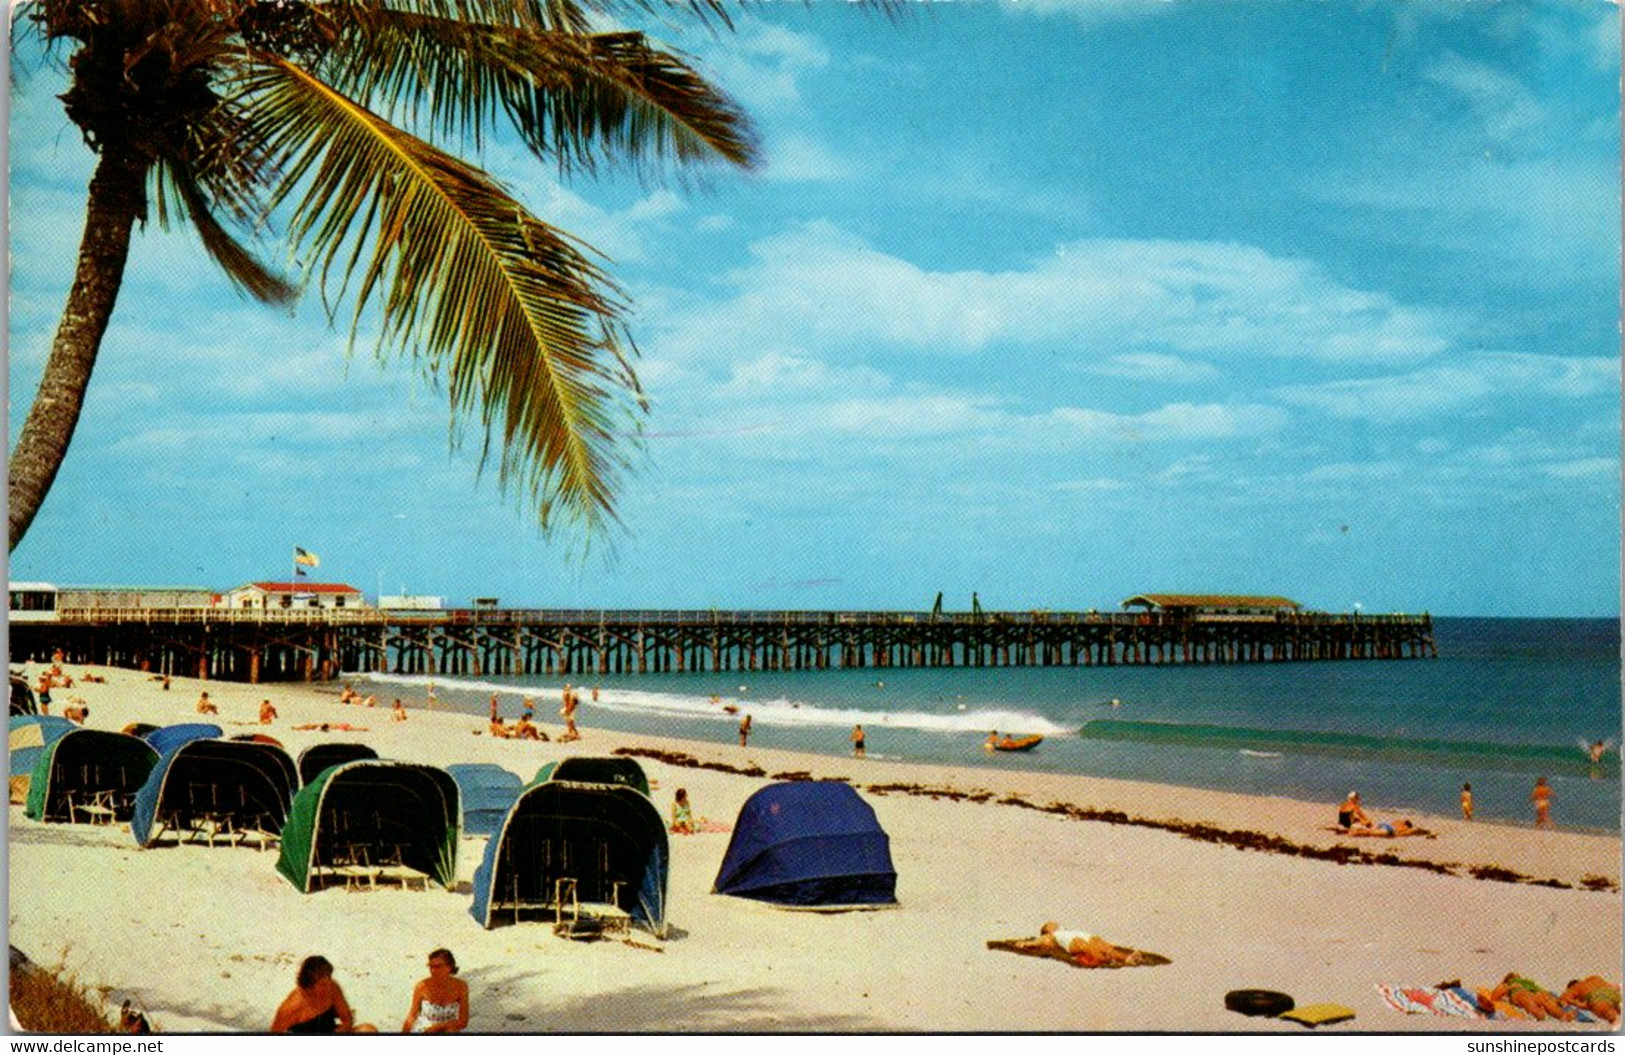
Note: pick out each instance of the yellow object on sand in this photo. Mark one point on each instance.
(1319, 1014)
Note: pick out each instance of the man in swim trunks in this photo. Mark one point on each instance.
(1527, 995)
(1596, 995)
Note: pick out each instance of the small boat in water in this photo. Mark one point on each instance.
(1016, 743)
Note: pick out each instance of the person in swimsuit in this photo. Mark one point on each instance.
(1090, 950)
(1527, 995)
(1596, 995)
(1466, 802)
(317, 1004)
(440, 1001)
(1542, 798)
(1351, 814)
(858, 741)
(682, 814)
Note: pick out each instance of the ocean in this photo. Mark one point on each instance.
(1506, 701)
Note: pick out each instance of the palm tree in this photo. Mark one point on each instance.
(230, 115)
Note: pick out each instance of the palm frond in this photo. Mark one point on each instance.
(523, 326)
(579, 99)
(175, 177)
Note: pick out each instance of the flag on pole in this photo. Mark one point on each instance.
(300, 572)
(305, 557)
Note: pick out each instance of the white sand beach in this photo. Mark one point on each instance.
(209, 939)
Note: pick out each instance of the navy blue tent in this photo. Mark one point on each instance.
(809, 844)
(488, 793)
(171, 736)
(215, 785)
(608, 838)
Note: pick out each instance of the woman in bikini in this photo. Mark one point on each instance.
(317, 1004)
(440, 1001)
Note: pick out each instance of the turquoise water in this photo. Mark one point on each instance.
(1507, 700)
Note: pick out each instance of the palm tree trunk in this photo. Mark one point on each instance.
(117, 198)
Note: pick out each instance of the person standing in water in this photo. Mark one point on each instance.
(744, 731)
(857, 741)
(1542, 799)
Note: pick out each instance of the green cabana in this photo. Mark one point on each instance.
(369, 816)
(88, 775)
(600, 770)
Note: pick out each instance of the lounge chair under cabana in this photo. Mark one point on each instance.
(361, 822)
(588, 769)
(88, 776)
(213, 790)
(569, 852)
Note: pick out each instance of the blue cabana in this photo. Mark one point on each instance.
(488, 793)
(215, 787)
(606, 839)
(171, 736)
(809, 844)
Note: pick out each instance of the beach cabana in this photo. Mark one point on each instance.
(215, 788)
(171, 736)
(589, 770)
(488, 792)
(809, 844)
(567, 850)
(22, 697)
(317, 757)
(372, 819)
(88, 775)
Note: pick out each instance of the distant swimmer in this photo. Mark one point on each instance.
(992, 742)
(1115, 702)
(1597, 749)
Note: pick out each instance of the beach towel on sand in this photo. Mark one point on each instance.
(1137, 958)
(1427, 1000)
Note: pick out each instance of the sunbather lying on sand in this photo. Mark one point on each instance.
(1526, 995)
(1389, 830)
(1090, 950)
(1596, 995)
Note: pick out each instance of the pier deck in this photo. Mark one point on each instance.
(301, 644)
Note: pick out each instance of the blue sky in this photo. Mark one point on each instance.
(1048, 301)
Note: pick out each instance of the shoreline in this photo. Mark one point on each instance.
(980, 853)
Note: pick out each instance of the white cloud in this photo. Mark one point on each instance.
(820, 286)
(1461, 383)
(1506, 108)
(1175, 421)
(1583, 467)
(1150, 366)
(799, 159)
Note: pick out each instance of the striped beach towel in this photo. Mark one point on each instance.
(1426, 1000)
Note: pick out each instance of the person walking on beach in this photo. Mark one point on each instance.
(857, 741)
(571, 702)
(1466, 802)
(1542, 798)
(494, 717)
(744, 731)
(440, 1001)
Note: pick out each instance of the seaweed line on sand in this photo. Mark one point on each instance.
(1241, 839)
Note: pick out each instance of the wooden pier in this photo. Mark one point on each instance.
(299, 644)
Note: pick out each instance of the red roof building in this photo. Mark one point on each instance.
(295, 595)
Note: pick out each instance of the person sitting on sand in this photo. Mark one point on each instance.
(317, 1004)
(1089, 950)
(267, 712)
(397, 713)
(1526, 995)
(1351, 814)
(370, 701)
(206, 705)
(1594, 994)
(525, 729)
(76, 711)
(440, 1001)
(682, 814)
